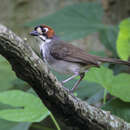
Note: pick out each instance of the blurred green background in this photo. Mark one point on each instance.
(100, 27)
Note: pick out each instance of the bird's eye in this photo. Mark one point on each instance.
(45, 30)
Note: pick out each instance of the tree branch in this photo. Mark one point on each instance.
(71, 110)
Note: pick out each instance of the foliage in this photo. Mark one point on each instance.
(6, 73)
(118, 85)
(118, 108)
(25, 107)
(108, 37)
(79, 20)
(123, 41)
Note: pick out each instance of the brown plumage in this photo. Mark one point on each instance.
(68, 52)
(49, 33)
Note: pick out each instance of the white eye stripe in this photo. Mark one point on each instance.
(39, 30)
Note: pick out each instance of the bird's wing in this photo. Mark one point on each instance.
(68, 52)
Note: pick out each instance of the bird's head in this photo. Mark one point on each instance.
(44, 32)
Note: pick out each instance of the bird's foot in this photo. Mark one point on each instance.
(71, 92)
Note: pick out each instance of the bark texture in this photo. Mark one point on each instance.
(71, 110)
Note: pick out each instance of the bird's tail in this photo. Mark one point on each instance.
(114, 61)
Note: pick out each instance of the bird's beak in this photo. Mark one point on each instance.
(34, 33)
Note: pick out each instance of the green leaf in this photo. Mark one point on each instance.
(96, 97)
(8, 78)
(87, 91)
(28, 108)
(6, 74)
(108, 37)
(100, 75)
(8, 125)
(118, 86)
(118, 108)
(2, 59)
(79, 20)
(123, 41)
(20, 84)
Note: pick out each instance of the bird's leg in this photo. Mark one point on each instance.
(70, 78)
(77, 83)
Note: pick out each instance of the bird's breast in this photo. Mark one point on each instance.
(60, 66)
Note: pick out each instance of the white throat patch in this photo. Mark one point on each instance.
(44, 39)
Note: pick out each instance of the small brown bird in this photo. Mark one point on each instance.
(67, 58)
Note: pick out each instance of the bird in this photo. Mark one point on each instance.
(66, 58)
